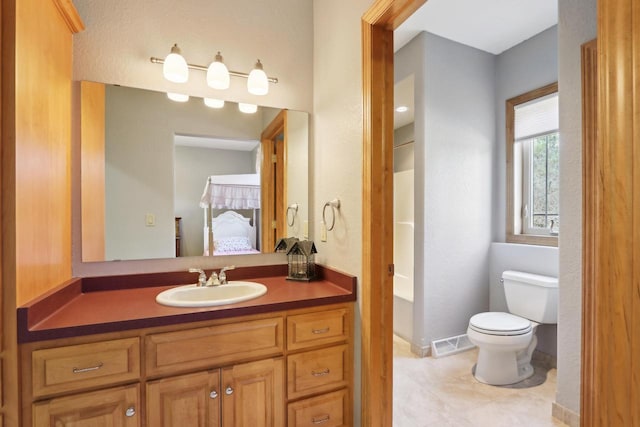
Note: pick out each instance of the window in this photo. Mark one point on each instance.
(533, 167)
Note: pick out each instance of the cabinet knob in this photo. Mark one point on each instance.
(130, 412)
(213, 394)
(228, 391)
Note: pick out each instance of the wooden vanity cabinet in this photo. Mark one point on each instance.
(245, 395)
(288, 368)
(319, 367)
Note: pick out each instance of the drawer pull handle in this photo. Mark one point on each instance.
(320, 373)
(320, 331)
(213, 394)
(89, 369)
(228, 391)
(130, 412)
(321, 420)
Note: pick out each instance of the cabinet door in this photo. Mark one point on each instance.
(185, 401)
(253, 394)
(115, 407)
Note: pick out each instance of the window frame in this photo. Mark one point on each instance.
(514, 200)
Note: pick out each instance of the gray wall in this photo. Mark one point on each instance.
(192, 168)
(454, 158)
(139, 175)
(577, 25)
(525, 67)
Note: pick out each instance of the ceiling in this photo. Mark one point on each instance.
(490, 25)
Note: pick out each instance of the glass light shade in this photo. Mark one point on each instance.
(175, 67)
(257, 83)
(177, 97)
(214, 103)
(248, 108)
(218, 74)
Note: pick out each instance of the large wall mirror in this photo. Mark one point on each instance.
(147, 162)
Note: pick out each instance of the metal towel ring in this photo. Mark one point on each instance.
(294, 210)
(334, 204)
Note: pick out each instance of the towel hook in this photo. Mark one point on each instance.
(334, 204)
(293, 208)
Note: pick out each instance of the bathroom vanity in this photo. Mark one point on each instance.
(101, 350)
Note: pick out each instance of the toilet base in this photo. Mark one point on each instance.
(504, 367)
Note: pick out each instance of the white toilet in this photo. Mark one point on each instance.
(506, 340)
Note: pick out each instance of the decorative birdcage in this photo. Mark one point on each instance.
(284, 244)
(300, 258)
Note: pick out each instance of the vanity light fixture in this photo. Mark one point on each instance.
(177, 97)
(258, 82)
(214, 103)
(176, 69)
(218, 74)
(402, 109)
(247, 108)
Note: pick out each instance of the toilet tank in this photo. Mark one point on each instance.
(531, 296)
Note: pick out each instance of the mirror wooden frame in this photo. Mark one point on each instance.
(611, 312)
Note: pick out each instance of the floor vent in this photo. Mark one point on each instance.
(451, 345)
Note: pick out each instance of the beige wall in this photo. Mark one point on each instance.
(336, 153)
(279, 33)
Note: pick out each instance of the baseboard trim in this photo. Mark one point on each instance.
(421, 351)
(565, 415)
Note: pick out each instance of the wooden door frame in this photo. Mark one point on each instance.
(610, 368)
(378, 24)
(611, 282)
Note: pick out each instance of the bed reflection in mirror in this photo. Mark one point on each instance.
(157, 157)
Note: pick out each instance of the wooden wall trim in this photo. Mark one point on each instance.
(377, 208)
(10, 378)
(70, 15)
(612, 370)
(589, 219)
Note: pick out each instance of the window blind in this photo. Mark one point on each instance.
(536, 117)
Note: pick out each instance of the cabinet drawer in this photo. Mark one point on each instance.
(119, 406)
(319, 328)
(317, 371)
(76, 367)
(215, 345)
(327, 410)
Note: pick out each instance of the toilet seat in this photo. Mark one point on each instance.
(503, 324)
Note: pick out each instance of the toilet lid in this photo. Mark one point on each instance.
(496, 323)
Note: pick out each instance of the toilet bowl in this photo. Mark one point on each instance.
(506, 341)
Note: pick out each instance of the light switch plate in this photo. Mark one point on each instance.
(150, 220)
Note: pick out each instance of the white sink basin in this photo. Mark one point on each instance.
(205, 296)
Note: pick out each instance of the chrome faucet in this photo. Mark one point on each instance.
(202, 277)
(222, 275)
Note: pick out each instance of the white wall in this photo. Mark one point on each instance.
(525, 67)
(298, 171)
(577, 25)
(279, 33)
(454, 158)
(139, 128)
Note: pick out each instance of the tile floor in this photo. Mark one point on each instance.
(442, 392)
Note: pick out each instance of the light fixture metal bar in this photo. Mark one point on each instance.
(203, 68)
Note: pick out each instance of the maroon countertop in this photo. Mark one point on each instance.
(115, 303)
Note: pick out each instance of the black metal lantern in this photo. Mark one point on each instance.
(300, 258)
